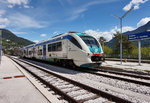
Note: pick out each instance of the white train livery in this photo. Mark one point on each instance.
(71, 48)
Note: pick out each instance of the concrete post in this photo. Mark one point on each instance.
(139, 44)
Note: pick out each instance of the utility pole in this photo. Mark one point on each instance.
(120, 18)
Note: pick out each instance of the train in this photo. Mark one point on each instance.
(68, 49)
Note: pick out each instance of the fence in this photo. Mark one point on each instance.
(145, 57)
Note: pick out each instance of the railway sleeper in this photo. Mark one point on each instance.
(72, 89)
(76, 93)
(76, 100)
(88, 98)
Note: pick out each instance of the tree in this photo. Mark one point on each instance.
(107, 50)
(102, 39)
(128, 46)
(145, 52)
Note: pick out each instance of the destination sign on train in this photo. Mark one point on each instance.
(139, 36)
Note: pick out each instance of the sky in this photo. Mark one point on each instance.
(38, 20)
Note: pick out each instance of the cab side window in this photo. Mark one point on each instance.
(75, 42)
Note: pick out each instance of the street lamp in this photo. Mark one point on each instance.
(121, 30)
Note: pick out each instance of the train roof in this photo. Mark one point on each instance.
(29, 46)
(82, 34)
(52, 39)
(57, 37)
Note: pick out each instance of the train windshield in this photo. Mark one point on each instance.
(90, 41)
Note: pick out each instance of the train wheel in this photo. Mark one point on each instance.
(63, 63)
(71, 64)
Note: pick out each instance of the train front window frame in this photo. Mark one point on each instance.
(90, 41)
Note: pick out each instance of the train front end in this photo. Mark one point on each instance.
(93, 51)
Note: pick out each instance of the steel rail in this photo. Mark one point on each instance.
(125, 74)
(129, 60)
(54, 88)
(119, 78)
(91, 89)
(87, 70)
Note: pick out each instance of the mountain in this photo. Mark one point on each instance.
(144, 28)
(8, 35)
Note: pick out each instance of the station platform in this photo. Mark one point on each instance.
(15, 87)
(145, 67)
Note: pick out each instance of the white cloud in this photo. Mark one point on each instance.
(36, 41)
(134, 3)
(19, 32)
(43, 35)
(19, 21)
(17, 2)
(26, 6)
(55, 32)
(10, 6)
(97, 34)
(77, 11)
(4, 22)
(12, 3)
(127, 28)
(2, 12)
(107, 34)
(24, 21)
(143, 21)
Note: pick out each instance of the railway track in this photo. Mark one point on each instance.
(123, 76)
(125, 73)
(129, 60)
(72, 91)
(120, 76)
(137, 74)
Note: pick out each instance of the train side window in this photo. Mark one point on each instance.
(55, 47)
(49, 47)
(75, 42)
(59, 46)
(30, 52)
(40, 52)
(34, 51)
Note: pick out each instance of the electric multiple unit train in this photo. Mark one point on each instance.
(71, 48)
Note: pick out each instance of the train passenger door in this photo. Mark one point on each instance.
(27, 53)
(33, 51)
(44, 51)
